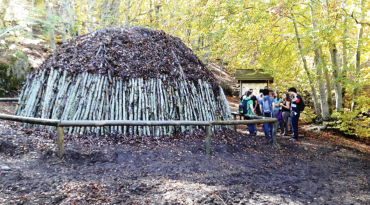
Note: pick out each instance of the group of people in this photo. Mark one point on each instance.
(286, 109)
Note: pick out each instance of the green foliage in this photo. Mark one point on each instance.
(356, 122)
(308, 115)
(228, 90)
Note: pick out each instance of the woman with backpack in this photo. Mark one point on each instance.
(285, 104)
(249, 110)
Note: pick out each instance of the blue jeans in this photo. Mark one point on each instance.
(268, 127)
(275, 113)
(291, 124)
(295, 119)
(252, 128)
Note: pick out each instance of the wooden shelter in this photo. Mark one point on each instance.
(128, 73)
(256, 79)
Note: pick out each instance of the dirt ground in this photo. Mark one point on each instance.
(242, 169)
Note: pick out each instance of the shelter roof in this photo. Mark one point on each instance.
(249, 74)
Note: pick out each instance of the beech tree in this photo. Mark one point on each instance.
(51, 32)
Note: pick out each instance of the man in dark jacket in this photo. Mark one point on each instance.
(295, 113)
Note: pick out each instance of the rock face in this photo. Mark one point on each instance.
(13, 69)
(124, 74)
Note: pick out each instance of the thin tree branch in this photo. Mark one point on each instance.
(352, 16)
(10, 30)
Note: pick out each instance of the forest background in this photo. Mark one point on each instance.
(318, 46)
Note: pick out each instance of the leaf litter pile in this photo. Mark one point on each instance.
(130, 52)
(242, 169)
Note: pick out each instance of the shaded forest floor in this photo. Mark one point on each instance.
(319, 169)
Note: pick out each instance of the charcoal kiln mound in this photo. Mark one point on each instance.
(128, 73)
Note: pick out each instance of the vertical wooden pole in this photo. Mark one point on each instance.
(234, 125)
(208, 140)
(60, 136)
(241, 89)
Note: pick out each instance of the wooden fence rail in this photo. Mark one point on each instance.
(9, 99)
(63, 123)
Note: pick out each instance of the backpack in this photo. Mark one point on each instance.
(266, 105)
(241, 107)
(241, 110)
(301, 106)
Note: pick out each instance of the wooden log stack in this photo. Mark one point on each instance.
(124, 74)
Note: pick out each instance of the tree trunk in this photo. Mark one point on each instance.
(324, 103)
(51, 33)
(71, 19)
(358, 55)
(128, 6)
(157, 7)
(335, 67)
(328, 91)
(319, 64)
(64, 17)
(114, 8)
(91, 14)
(344, 50)
(103, 13)
(150, 11)
(337, 86)
(314, 96)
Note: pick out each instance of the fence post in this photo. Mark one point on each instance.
(60, 141)
(234, 119)
(274, 131)
(208, 140)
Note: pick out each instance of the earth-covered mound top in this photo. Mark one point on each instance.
(130, 52)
